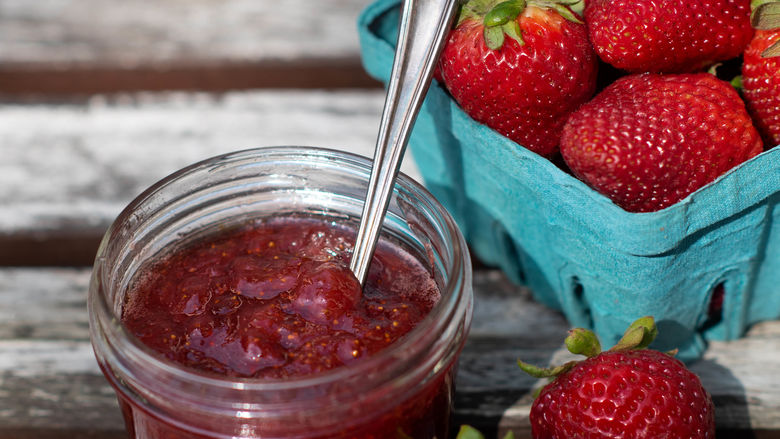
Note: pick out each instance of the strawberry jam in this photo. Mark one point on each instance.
(276, 300)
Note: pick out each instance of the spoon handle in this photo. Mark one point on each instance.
(423, 30)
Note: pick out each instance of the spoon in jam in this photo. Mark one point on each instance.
(423, 30)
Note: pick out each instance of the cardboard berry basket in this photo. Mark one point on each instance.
(577, 251)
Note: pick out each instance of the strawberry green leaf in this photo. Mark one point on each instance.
(569, 9)
(494, 37)
(542, 372)
(766, 15)
(631, 339)
(583, 342)
(504, 12)
(501, 21)
(772, 51)
(647, 322)
(512, 30)
(568, 14)
(468, 432)
(475, 10)
(737, 82)
(639, 335)
(577, 6)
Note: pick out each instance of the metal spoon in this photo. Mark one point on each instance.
(423, 30)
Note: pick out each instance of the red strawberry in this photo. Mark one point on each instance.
(671, 36)
(626, 392)
(520, 69)
(648, 140)
(761, 77)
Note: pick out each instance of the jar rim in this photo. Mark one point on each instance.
(428, 329)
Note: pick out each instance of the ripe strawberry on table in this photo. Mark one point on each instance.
(648, 140)
(671, 36)
(520, 67)
(761, 74)
(628, 391)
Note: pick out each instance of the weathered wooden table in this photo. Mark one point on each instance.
(99, 99)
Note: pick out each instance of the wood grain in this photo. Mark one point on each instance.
(61, 186)
(91, 46)
(49, 381)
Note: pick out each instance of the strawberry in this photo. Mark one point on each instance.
(628, 391)
(670, 36)
(520, 68)
(761, 75)
(648, 140)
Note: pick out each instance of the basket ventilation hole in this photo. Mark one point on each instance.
(578, 294)
(715, 307)
(513, 254)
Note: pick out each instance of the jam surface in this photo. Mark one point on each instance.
(276, 299)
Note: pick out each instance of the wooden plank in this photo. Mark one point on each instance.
(51, 387)
(68, 168)
(88, 46)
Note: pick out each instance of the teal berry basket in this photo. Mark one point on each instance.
(601, 266)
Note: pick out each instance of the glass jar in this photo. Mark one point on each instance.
(402, 391)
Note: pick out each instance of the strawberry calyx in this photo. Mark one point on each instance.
(499, 18)
(582, 341)
(765, 15)
(639, 335)
(502, 20)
